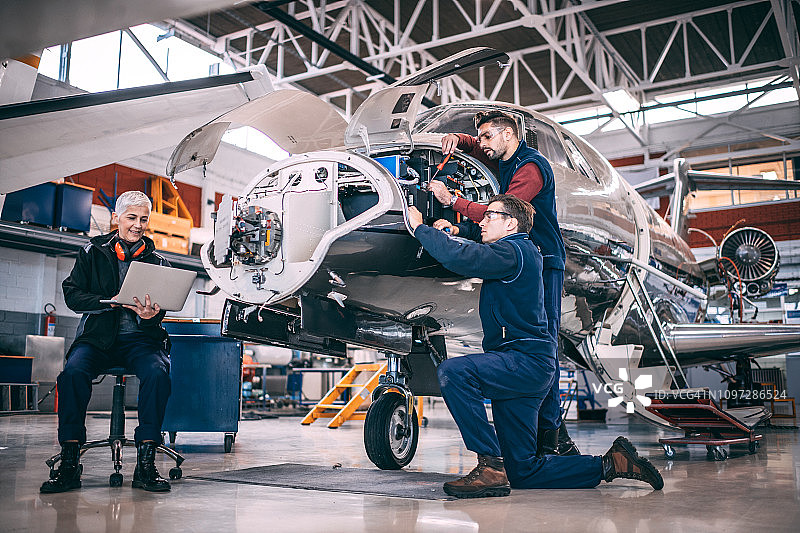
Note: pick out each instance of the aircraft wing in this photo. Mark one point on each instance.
(711, 181)
(49, 139)
(695, 343)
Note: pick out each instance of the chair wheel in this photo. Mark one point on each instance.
(115, 480)
(175, 473)
(228, 443)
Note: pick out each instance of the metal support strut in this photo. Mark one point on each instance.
(645, 305)
(396, 380)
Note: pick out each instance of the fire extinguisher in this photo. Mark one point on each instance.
(50, 320)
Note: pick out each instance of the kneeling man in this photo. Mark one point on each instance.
(518, 367)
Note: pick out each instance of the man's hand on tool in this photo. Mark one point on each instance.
(445, 226)
(440, 191)
(449, 143)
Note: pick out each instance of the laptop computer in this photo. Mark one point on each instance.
(168, 287)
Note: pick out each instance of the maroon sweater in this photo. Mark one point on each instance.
(525, 185)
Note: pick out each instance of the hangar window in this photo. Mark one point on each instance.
(776, 170)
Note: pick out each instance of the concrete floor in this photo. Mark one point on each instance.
(744, 493)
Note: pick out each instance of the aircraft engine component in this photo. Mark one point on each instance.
(256, 236)
(756, 258)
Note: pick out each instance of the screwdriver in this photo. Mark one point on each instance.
(441, 165)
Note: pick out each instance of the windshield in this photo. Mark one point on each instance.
(446, 120)
(455, 119)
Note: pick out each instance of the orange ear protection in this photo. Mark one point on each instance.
(126, 252)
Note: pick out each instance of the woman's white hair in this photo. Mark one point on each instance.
(130, 199)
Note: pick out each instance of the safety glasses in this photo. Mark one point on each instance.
(491, 215)
(489, 135)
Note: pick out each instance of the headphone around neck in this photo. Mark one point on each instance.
(128, 252)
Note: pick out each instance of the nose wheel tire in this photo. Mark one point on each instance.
(115, 480)
(389, 443)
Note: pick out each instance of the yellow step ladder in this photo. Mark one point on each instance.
(344, 412)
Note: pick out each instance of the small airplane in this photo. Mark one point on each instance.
(316, 252)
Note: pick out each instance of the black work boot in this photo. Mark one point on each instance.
(547, 442)
(622, 461)
(68, 475)
(145, 475)
(565, 445)
(486, 480)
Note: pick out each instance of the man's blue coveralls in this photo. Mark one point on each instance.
(518, 367)
(545, 234)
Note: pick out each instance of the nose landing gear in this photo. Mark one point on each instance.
(390, 438)
(391, 425)
(391, 428)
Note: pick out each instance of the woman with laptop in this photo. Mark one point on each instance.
(110, 334)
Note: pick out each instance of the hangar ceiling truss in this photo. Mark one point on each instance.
(564, 53)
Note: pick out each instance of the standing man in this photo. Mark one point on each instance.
(111, 335)
(517, 369)
(525, 173)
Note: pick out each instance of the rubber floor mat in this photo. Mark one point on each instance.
(396, 483)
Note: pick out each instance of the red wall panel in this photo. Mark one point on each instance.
(780, 219)
(130, 179)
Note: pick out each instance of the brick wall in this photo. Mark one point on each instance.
(780, 220)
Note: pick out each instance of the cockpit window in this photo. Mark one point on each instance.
(580, 161)
(454, 120)
(549, 144)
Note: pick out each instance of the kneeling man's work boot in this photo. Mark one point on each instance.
(146, 475)
(547, 442)
(486, 480)
(68, 475)
(622, 461)
(565, 445)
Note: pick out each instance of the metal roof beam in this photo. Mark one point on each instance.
(146, 53)
(567, 29)
(787, 29)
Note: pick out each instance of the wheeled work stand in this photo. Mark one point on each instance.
(703, 422)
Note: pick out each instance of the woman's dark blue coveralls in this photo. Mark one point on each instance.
(518, 367)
